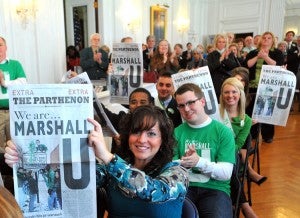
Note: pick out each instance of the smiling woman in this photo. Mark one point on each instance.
(144, 174)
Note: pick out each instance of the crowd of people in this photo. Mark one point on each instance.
(168, 148)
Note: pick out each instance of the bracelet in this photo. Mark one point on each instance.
(114, 159)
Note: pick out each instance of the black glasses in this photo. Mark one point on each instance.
(188, 103)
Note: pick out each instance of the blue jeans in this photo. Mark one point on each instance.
(211, 203)
(32, 199)
(52, 200)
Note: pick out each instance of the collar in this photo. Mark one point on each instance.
(165, 103)
(4, 61)
(221, 51)
(205, 123)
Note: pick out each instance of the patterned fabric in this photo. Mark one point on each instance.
(132, 193)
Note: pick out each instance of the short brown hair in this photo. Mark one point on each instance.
(190, 87)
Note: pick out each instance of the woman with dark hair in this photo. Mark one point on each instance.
(73, 58)
(164, 60)
(139, 96)
(242, 74)
(144, 182)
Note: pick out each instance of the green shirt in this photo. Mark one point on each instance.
(214, 142)
(12, 70)
(241, 130)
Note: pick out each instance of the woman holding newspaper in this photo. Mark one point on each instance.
(265, 54)
(146, 183)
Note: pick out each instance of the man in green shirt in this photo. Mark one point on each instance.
(11, 73)
(207, 148)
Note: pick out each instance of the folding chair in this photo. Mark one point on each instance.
(240, 171)
(253, 151)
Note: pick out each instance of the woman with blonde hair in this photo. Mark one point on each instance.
(220, 62)
(265, 54)
(232, 111)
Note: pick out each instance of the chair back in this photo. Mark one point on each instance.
(189, 210)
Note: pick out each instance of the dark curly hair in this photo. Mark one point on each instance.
(144, 118)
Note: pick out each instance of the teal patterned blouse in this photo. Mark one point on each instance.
(132, 193)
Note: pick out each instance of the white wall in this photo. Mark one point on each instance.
(242, 16)
(40, 46)
(292, 19)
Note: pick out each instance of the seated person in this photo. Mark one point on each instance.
(206, 147)
(137, 97)
(145, 183)
(73, 58)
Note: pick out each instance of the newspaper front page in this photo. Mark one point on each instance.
(55, 175)
(107, 128)
(202, 78)
(127, 61)
(275, 94)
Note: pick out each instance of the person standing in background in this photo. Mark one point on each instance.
(256, 40)
(164, 60)
(265, 54)
(149, 52)
(292, 53)
(220, 62)
(178, 50)
(187, 55)
(282, 46)
(249, 45)
(165, 99)
(94, 60)
(11, 73)
(197, 61)
(230, 38)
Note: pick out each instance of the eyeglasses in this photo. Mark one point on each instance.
(188, 103)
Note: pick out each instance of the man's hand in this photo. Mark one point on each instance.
(191, 158)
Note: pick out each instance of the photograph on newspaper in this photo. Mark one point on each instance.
(127, 75)
(55, 174)
(275, 94)
(202, 78)
(107, 128)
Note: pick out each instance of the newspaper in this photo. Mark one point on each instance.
(275, 94)
(127, 61)
(107, 128)
(55, 175)
(201, 77)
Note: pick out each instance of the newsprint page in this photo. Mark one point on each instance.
(127, 75)
(55, 176)
(275, 94)
(200, 76)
